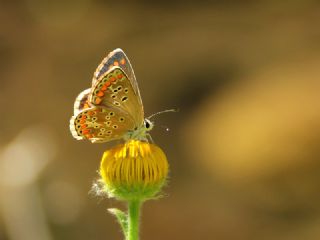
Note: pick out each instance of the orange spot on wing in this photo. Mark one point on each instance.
(82, 121)
(86, 131)
(112, 79)
(91, 112)
(107, 84)
(98, 100)
(100, 94)
(122, 61)
(86, 105)
(89, 135)
(120, 76)
(104, 87)
(83, 126)
(116, 63)
(83, 117)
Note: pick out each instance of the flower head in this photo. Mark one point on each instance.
(134, 170)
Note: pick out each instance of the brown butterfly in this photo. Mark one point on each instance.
(112, 108)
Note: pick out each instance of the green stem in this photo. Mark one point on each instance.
(133, 219)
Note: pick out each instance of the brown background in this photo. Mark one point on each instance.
(244, 148)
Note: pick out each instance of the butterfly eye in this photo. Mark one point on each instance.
(119, 88)
(100, 134)
(111, 113)
(115, 126)
(126, 90)
(94, 119)
(96, 126)
(121, 119)
(148, 124)
(113, 96)
(109, 132)
(116, 103)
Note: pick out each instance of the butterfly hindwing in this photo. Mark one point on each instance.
(82, 101)
(99, 124)
(114, 90)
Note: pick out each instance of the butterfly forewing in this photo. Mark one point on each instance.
(114, 90)
(99, 124)
(117, 58)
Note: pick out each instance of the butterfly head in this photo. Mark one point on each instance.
(148, 125)
(140, 133)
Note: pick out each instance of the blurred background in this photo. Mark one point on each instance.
(244, 149)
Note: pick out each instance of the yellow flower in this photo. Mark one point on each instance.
(134, 170)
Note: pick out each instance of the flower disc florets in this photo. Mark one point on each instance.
(134, 170)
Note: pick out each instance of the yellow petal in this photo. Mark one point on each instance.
(134, 169)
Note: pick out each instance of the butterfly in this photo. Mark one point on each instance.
(112, 108)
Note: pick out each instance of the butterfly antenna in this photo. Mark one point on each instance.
(165, 111)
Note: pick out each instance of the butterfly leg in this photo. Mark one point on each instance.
(150, 138)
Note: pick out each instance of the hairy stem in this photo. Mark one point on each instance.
(133, 219)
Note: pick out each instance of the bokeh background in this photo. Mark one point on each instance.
(244, 148)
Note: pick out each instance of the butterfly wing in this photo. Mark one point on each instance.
(117, 58)
(114, 90)
(112, 106)
(100, 124)
(82, 101)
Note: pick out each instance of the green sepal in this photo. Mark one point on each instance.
(122, 219)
